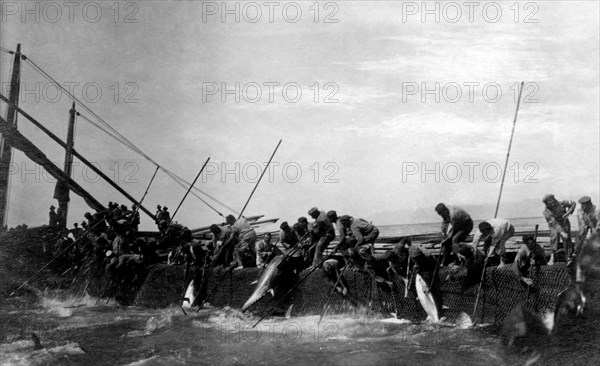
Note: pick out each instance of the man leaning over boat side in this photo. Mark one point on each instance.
(494, 233)
(557, 216)
(322, 233)
(456, 227)
(531, 254)
(588, 218)
(364, 232)
(223, 255)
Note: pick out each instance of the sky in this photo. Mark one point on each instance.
(381, 106)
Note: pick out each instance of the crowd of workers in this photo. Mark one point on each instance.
(109, 240)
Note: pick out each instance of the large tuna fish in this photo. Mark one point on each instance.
(426, 300)
(276, 275)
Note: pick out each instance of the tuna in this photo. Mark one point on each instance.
(272, 279)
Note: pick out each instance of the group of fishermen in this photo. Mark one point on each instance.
(306, 242)
(106, 242)
(110, 239)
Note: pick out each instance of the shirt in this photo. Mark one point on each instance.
(524, 258)
(588, 220)
(323, 226)
(500, 227)
(361, 228)
(556, 214)
(458, 216)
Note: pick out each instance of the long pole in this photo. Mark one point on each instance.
(189, 189)
(509, 146)
(259, 179)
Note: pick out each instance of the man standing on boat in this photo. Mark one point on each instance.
(52, 216)
(588, 218)
(243, 239)
(456, 227)
(557, 215)
(322, 234)
(494, 233)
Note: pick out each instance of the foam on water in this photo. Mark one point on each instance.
(24, 353)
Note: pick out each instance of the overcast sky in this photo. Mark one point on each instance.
(359, 145)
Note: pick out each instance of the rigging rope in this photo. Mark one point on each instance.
(109, 130)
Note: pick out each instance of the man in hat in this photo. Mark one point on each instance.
(52, 216)
(494, 233)
(557, 215)
(364, 232)
(588, 218)
(456, 227)
(322, 234)
(531, 254)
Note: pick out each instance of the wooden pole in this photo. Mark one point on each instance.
(189, 189)
(509, 146)
(259, 179)
(5, 147)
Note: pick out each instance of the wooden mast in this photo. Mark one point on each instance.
(62, 192)
(5, 147)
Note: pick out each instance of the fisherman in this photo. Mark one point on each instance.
(77, 232)
(158, 211)
(221, 235)
(84, 226)
(322, 234)
(588, 218)
(287, 237)
(531, 254)
(332, 271)
(52, 216)
(164, 214)
(265, 251)
(423, 263)
(339, 227)
(243, 240)
(301, 227)
(364, 232)
(456, 227)
(494, 233)
(557, 215)
(134, 217)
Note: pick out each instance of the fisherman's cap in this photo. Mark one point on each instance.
(52, 207)
(332, 214)
(313, 211)
(165, 208)
(528, 237)
(439, 207)
(284, 225)
(230, 218)
(214, 228)
(158, 206)
(345, 219)
(303, 220)
(547, 198)
(585, 199)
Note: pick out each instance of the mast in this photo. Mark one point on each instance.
(5, 147)
(61, 192)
